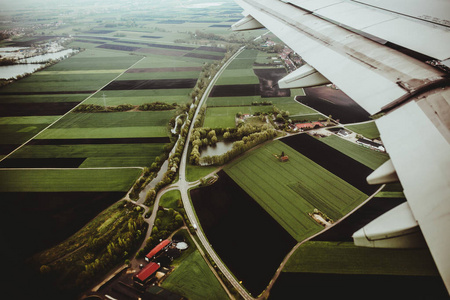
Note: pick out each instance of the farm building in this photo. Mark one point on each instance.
(157, 250)
(343, 133)
(146, 274)
(370, 144)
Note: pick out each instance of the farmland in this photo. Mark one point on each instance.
(193, 279)
(62, 161)
(332, 259)
(300, 186)
(257, 238)
(60, 180)
(368, 157)
(65, 165)
(245, 83)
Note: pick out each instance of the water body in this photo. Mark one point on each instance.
(11, 72)
(48, 56)
(218, 149)
(28, 65)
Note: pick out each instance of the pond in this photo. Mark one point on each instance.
(247, 239)
(218, 149)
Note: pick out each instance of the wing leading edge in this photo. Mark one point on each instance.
(350, 44)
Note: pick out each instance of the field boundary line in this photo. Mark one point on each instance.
(266, 292)
(57, 120)
(100, 168)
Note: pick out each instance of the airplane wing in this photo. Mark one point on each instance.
(391, 57)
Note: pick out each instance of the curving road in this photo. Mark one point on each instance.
(184, 186)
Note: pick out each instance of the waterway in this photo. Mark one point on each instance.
(11, 72)
(29, 65)
(48, 56)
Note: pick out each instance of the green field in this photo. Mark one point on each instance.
(299, 186)
(170, 199)
(222, 110)
(223, 117)
(194, 280)
(109, 132)
(115, 119)
(346, 258)
(370, 158)
(84, 150)
(368, 130)
(67, 180)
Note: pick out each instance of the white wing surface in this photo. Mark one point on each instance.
(375, 51)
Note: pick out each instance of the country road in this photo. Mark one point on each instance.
(184, 186)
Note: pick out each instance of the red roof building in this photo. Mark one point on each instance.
(146, 272)
(157, 249)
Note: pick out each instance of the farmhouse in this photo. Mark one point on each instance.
(146, 274)
(157, 250)
(370, 144)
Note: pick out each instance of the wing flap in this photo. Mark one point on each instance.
(421, 156)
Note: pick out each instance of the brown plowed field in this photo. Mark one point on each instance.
(158, 51)
(235, 90)
(205, 56)
(35, 109)
(151, 84)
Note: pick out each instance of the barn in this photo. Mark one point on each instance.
(146, 274)
(157, 250)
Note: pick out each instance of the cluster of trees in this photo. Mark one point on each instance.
(7, 61)
(105, 251)
(157, 106)
(201, 137)
(90, 108)
(245, 136)
(97, 251)
(167, 221)
(241, 146)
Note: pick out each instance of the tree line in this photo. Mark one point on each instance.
(245, 137)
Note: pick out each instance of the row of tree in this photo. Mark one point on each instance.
(245, 137)
(155, 106)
